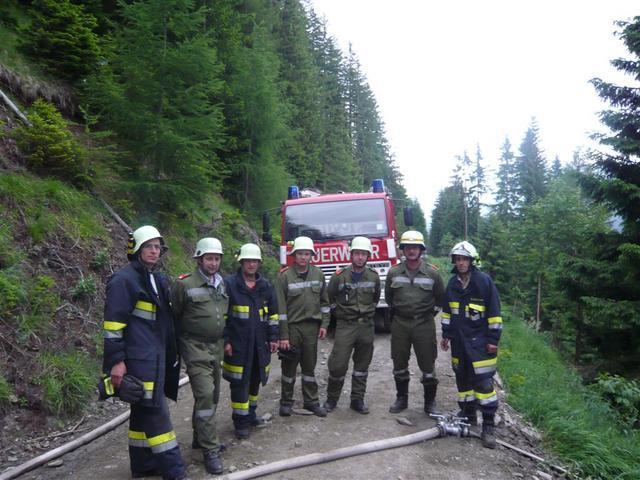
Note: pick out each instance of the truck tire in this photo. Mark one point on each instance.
(382, 320)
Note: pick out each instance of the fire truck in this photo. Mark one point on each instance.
(332, 220)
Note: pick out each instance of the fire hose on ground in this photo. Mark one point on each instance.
(448, 425)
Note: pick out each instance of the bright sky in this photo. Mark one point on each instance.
(450, 75)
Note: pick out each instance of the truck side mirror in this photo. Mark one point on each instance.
(266, 234)
(408, 216)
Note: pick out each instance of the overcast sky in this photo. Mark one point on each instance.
(450, 75)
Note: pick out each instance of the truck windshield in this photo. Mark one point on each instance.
(341, 219)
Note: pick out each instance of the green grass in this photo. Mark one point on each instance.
(6, 391)
(67, 380)
(580, 427)
(47, 205)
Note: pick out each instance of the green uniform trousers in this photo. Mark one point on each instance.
(203, 367)
(421, 333)
(304, 336)
(351, 336)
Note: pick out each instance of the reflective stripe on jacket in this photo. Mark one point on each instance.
(139, 330)
(252, 322)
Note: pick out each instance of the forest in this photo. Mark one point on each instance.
(195, 115)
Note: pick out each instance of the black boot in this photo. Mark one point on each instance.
(330, 405)
(488, 432)
(255, 420)
(402, 396)
(430, 398)
(359, 406)
(468, 410)
(212, 462)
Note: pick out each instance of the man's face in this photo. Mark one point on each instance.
(302, 258)
(462, 263)
(359, 258)
(250, 267)
(150, 252)
(412, 252)
(210, 263)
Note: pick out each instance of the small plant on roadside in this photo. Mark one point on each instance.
(29, 325)
(622, 394)
(6, 391)
(11, 294)
(85, 288)
(42, 296)
(67, 380)
(49, 145)
(100, 260)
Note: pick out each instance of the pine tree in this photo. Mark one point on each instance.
(556, 168)
(531, 167)
(507, 191)
(159, 93)
(61, 37)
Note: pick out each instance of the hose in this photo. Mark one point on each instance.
(88, 437)
(316, 458)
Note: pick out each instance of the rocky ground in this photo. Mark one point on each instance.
(450, 457)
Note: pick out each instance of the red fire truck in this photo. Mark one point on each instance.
(332, 220)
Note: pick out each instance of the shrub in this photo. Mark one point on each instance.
(50, 147)
(43, 298)
(85, 288)
(61, 38)
(5, 393)
(67, 380)
(100, 260)
(622, 394)
(11, 293)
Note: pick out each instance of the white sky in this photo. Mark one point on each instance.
(448, 75)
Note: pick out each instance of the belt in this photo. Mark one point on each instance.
(202, 338)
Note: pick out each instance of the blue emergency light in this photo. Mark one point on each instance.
(293, 192)
(377, 185)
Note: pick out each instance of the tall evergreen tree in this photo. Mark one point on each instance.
(615, 182)
(447, 219)
(159, 93)
(531, 167)
(507, 192)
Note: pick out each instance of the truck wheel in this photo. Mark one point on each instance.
(382, 320)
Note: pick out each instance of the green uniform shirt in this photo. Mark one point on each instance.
(199, 307)
(301, 297)
(354, 301)
(413, 294)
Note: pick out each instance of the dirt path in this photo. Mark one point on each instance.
(450, 458)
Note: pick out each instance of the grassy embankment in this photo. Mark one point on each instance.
(577, 425)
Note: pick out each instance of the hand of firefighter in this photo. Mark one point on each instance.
(273, 347)
(492, 348)
(118, 371)
(284, 345)
(131, 389)
(444, 344)
(322, 333)
(228, 350)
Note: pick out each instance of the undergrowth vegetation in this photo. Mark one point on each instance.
(579, 426)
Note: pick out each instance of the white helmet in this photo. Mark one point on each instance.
(249, 251)
(303, 243)
(412, 237)
(464, 249)
(207, 245)
(142, 235)
(361, 243)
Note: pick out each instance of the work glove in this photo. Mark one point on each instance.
(131, 389)
(291, 354)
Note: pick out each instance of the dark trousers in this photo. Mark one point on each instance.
(244, 395)
(152, 441)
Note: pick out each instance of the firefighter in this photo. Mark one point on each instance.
(250, 336)
(353, 293)
(140, 355)
(200, 302)
(303, 307)
(472, 324)
(414, 291)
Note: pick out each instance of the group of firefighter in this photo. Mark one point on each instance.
(229, 327)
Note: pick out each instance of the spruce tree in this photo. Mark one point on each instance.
(507, 189)
(531, 167)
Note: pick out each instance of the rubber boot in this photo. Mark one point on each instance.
(212, 462)
(468, 410)
(430, 398)
(359, 406)
(488, 432)
(255, 420)
(330, 404)
(402, 397)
